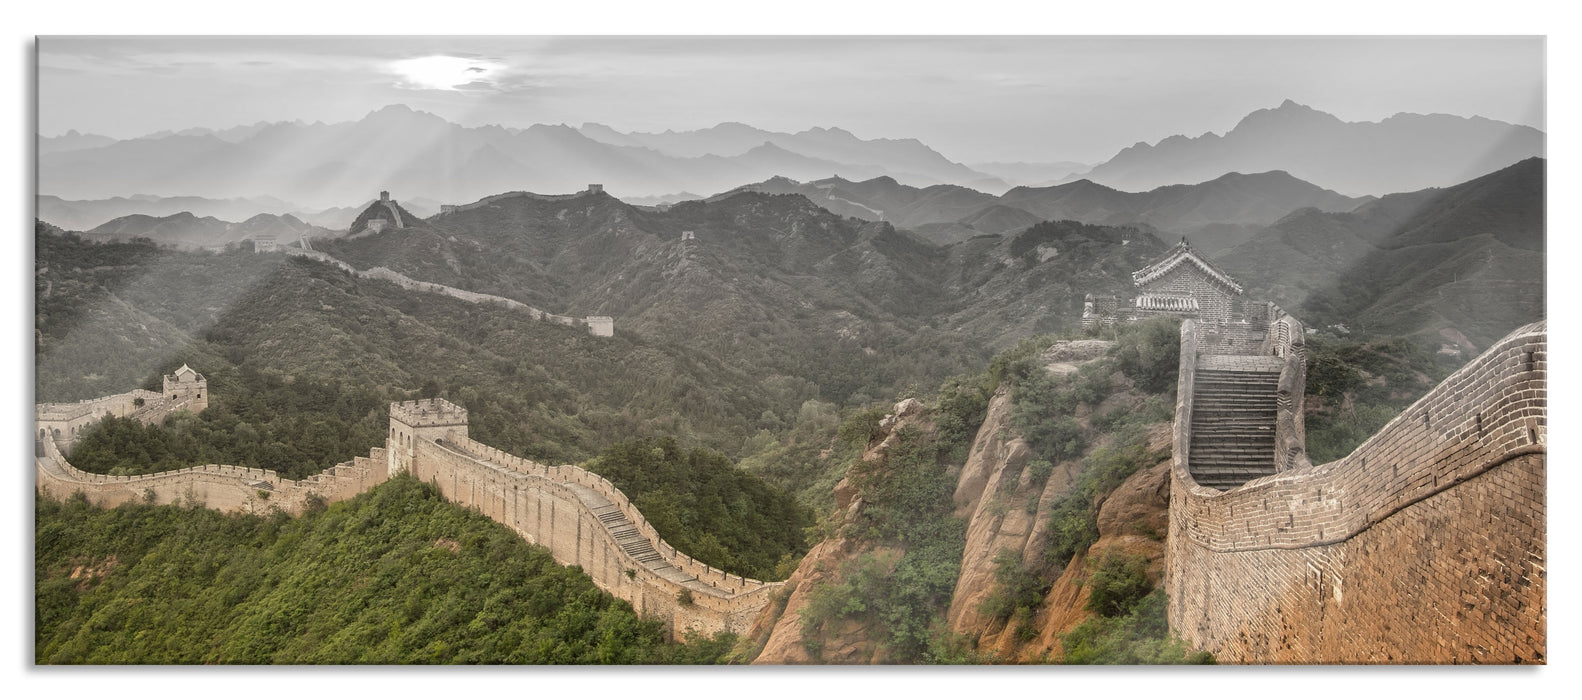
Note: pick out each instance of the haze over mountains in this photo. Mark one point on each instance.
(1462, 264)
(1216, 214)
(322, 165)
(916, 232)
(1402, 153)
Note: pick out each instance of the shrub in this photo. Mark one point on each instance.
(1117, 583)
(1139, 637)
(1017, 590)
(862, 427)
(1149, 353)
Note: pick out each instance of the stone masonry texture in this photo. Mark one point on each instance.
(1425, 545)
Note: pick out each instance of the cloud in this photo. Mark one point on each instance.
(442, 72)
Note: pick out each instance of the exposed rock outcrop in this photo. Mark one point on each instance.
(845, 641)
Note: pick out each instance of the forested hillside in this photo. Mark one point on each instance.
(1457, 267)
(396, 576)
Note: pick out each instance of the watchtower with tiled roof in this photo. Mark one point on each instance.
(185, 389)
(1183, 283)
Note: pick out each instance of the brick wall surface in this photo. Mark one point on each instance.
(1214, 302)
(1425, 545)
(548, 506)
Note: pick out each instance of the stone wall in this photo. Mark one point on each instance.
(486, 201)
(597, 325)
(63, 422)
(218, 486)
(550, 506)
(1425, 545)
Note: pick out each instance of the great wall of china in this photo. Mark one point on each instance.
(579, 516)
(1424, 545)
(602, 326)
(1427, 544)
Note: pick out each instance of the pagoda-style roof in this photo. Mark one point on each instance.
(1182, 254)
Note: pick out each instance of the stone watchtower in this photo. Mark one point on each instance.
(187, 390)
(1183, 283)
(414, 421)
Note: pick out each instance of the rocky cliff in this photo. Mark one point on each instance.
(785, 636)
(1007, 511)
(1005, 503)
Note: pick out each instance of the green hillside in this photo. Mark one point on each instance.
(396, 576)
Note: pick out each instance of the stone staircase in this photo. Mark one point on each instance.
(633, 542)
(1233, 417)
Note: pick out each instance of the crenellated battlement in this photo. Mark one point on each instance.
(428, 413)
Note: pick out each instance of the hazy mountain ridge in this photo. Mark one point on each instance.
(1463, 263)
(72, 141)
(186, 230)
(408, 151)
(1216, 213)
(907, 158)
(1402, 153)
(86, 214)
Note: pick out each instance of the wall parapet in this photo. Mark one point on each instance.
(1426, 544)
(1484, 414)
(720, 582)
(543, 503)
(226, 487)
(1186, 377)
(1287, 340)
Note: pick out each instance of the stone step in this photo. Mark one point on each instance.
(1204, 466)
(1200, 413)
(1226, 471)
(1208, 452)
(1237, 395)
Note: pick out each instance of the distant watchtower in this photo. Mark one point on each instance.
(1181, 283)
(414, 421)
(384, 196)
(187, 390)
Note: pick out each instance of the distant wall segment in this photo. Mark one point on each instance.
(602, 326)
(1427, 544)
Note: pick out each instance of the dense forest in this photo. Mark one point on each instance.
(397, 575)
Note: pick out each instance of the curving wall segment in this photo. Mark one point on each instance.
(219, 486)
(1424, 545)
(586, 522)
(582, 518)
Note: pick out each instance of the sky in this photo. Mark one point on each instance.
(974, 99)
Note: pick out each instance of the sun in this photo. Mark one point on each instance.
(444, 72)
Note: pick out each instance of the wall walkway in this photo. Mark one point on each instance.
(1424, 545)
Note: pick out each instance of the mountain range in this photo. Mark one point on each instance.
(1460, 265)
(185, 230)
(1216, 214)
(420, 155)
(1402, 153)
(139, 215)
